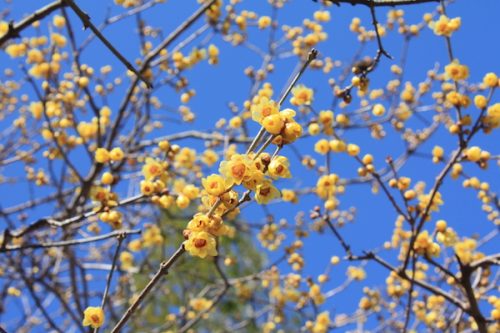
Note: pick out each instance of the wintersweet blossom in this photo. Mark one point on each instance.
(93, 316)
(200, 244)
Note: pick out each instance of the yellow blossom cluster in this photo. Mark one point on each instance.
(445, 235)
(495, 313)
(396, 286)
(492, 118)
(301, 95)
(322, 323)
(279, 123)
(371, 301)
(425, 201)
(424, 245)
(445, 26)
(465, 250)
(219, 198)
(200, 304)
(270, 237)
(456, 71)
(305, 37)
(356, 273)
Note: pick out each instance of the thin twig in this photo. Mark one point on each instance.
(71, 242)
(121, 237)
(16, 28)
(381, 3)
(163, 270)
(87, 23)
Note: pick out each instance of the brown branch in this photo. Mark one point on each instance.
(121, 237)
(381, 3)
(381, 51)
(490, 260)
(435, 290)
(193, 134)
(71, 242)
(148, 59)
(473, 309)
(16, 28)
(49, 221)
(343, 243)
(313, 53)
(85, 18)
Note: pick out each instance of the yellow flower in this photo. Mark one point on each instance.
(301, 95)
(186, 157)
(266, 192)
(356, 273)
(238, 169)
(102, 155)
(152, 236)
(191, 191)
(135, 245)
(480, 101)
(263, 109)
(322, 323)
(200, 304)
(213, 224)
(337, 146)
(291, 132)
(473, 153)
(200, 244)
(152, 169)
(126, 260)
(322, 16)
(491, 80)
(214, 185)
(116, 154)
(255, 179)
(264, 22)
(465, 250)
(279, 167)
(313, 129)
(36, 109)
(289, 196)
(287, 115)
(182, 201)
(322, 146)
(444, 26)
(273, 123)
(58, 21)
(93, 316)
(456, 71)
(235, 122)
(4, 28)
(58, 39)
(378, 110)
(326, 185)
(34, 56)
(16, 50)
(13, 291)
(107, 178)
(425, 245)
(353, 149)
(209, 157)
(100, 194)
(147, 187)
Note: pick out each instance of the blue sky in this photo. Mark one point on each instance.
(475, 44)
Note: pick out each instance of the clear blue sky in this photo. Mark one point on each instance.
(475, 44)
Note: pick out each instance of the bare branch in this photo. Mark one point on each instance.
(16, 28)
